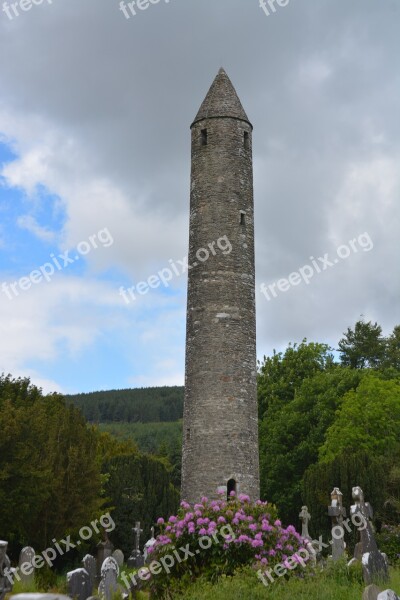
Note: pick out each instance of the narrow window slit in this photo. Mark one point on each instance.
(204, 137)
(246, 140)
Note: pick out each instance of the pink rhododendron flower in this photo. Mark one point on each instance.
(221, 520)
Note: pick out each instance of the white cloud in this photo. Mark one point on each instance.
(29, 223)
(105, 129)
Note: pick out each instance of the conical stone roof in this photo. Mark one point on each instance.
(221, 101)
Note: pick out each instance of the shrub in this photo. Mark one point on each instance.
(389, 542)
(215, 538)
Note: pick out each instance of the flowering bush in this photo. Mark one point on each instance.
(214, 538)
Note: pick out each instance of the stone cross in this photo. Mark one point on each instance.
(337, 512)
(137, 531)
(374, 563)
(305, 519)
(136, 559)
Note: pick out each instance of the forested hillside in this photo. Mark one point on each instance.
(141, 405)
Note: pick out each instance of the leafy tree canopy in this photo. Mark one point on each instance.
(368, 419)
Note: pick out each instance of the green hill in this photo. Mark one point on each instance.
(141, 405)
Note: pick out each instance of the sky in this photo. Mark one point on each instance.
(95, 110)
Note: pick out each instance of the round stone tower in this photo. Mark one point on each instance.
(220, 429)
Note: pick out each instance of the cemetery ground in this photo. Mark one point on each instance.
(333, 583)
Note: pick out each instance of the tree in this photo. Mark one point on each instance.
(368, 420)
(362, 346)
(280, 375)
(345, 471)
(138, 488)
(290, 437)
(392, 351)
(50, 479)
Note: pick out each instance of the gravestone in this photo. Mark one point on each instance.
(119, 557)
(136, 559)
(148, 545)
(5, 584)
(371, 593)
(308, 545)
(104, 550)
(89, 563)
(109, 578)
(337, 512)
(26, 555)
(374, 563)
(78, 584)
(305, 518)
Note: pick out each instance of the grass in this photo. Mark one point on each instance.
(330, 585)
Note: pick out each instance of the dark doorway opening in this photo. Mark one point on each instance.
(231, 487)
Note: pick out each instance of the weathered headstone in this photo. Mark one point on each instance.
(104, 550)
(26, 557)
(109, 578)
(148, 545)
(136, 559)
(337, 512)
(388, 595)
(371, 593)
(119, 557)
(6, 584)
(305, 518)
(89, 563)
(78, 584)
(375, 566)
